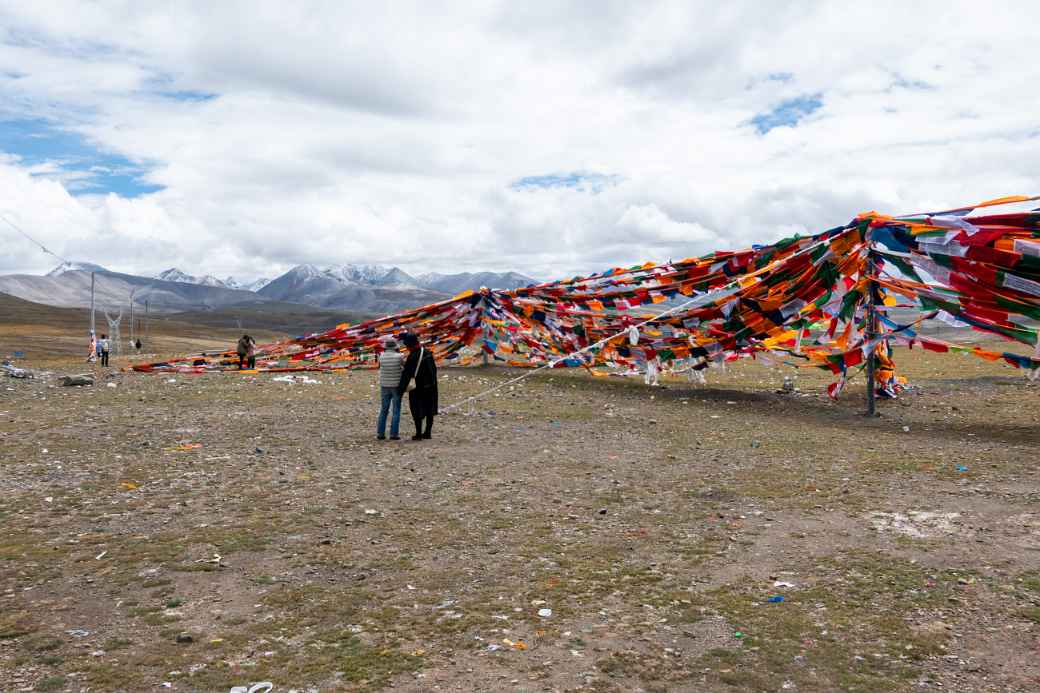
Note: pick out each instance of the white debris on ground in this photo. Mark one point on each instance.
(917, 524)
(296, 379)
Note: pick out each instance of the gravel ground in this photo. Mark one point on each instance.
(573, 533)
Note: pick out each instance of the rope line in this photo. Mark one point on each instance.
(41, 245)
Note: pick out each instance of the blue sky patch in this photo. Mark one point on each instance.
(911, 84)
(583, 181)
(187, 95)
(51, 152)
(787, 113)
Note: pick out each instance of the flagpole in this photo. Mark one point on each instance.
(871, 335)
(485, 330)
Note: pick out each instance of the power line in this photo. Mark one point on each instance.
(41, 245)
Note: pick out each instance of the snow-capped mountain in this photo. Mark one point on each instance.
(176, 275)
(245, 284)
(360, 274)
(456, 283)
(368, 288)
(75, 266)
(378, 288)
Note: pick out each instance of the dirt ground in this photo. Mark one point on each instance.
(196, 533)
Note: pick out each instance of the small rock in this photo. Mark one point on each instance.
(185, 638)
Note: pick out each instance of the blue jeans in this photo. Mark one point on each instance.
(390, 395)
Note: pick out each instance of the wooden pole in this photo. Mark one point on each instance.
(871, 334)
(483, 323)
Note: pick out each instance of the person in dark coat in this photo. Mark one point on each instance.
(245, 349)
(422, 400)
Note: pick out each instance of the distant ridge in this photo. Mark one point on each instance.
(361, 288)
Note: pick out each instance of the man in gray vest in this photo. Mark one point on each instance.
(391, 364)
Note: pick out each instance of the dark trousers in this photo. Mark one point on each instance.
(418, 420)
(104, 358)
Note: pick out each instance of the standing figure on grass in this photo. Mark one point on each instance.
(391, 366)
(419, 380)
(104, 347)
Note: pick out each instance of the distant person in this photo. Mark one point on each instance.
(104, 346)
(419, 380)
(246, 349)
(391, 366)
(137, 345)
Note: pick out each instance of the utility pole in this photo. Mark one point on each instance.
(92, 326)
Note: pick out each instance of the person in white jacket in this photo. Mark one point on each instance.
(104, 345)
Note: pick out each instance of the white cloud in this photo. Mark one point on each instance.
(364, 132)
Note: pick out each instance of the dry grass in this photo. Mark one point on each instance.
(653, 523)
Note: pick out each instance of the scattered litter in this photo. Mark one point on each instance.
(77, 380)
(545, 613)
(370, 511)
(296, 379)
(15, 372)
(262, 687)
(185, 638)
(961, 468)
(781, 583)
(906, 429)
(129, 485)
(171, 381)
(184, 447)
(518, 645)
(738, 635)
(78, 633)
(100, 555)
(215, 560)
(110, 385)
(776, 599)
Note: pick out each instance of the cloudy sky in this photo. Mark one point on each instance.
(242, 138)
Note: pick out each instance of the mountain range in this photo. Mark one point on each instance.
(365, 289)
(175, 275)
